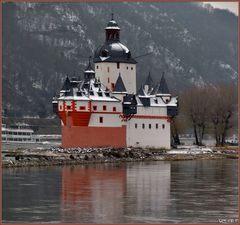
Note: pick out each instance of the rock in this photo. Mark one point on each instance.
(123, 154)
(105, 154)
(100, 155)
(148, 154)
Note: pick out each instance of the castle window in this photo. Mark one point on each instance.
(112, 86)
(68, 107)
(100, 119)
(60, 107)
(136, 125)
(82, 108)
(94, 107)
(108, 80)
(163, 126)
(97, 67)
(104, 108)
(100, 94)
(108, 69)
(118, 65)
(156, 101)
(143, 126)
(131, 68)
(114, 109)
(127, 67)
(91, 93)
(150, 126)
(156, 125)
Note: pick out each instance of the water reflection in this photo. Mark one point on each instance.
(148, 190)
(110, 194)
(201, 191)
(93, 193)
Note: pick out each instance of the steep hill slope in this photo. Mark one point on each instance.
(44, 42)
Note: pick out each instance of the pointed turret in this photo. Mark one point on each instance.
(141, 91)
(66, 86)
(149, 81)
(119, 86)
(155, 89)
(89, 73)
(148, 85)
(163, 87)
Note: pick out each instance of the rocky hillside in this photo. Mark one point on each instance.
(194, 45)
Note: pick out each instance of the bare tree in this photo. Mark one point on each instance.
(223, 103)
(175, 125)
(195, 105)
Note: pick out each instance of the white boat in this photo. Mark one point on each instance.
(19, 133)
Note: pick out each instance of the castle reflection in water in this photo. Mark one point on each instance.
(145, 192)
(108, 193)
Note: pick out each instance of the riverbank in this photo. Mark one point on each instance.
(59, 156)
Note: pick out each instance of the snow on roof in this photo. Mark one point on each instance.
(112, 28)
(89, 90)
(119, 47)
(103, 58)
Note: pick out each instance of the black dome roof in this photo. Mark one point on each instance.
(113, 52)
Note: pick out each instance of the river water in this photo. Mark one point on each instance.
(199, 191)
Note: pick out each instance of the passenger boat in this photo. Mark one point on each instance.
(19, 133)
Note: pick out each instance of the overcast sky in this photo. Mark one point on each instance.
(231, 6)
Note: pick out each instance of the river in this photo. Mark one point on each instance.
(198, 191)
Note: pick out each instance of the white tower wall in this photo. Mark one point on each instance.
(108, 73)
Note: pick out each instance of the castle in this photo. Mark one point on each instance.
(105, 108)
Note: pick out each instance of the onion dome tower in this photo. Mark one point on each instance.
(113, 58)
(113, 50)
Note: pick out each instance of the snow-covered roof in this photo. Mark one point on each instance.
(87, 90)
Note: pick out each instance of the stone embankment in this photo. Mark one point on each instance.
(64, 156)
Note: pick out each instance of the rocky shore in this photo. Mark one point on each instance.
(64, 156)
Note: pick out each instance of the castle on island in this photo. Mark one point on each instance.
(106, 109)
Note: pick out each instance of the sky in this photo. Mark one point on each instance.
(231, 6)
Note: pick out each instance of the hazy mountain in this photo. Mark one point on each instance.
(42, 43)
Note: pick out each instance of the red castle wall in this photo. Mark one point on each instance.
(77, 136)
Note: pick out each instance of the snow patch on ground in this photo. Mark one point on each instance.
(190, 150)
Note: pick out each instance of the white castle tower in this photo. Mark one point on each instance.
(114, 58)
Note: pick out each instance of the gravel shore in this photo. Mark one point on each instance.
(64, 156)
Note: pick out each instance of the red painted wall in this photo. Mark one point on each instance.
(76, 136)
